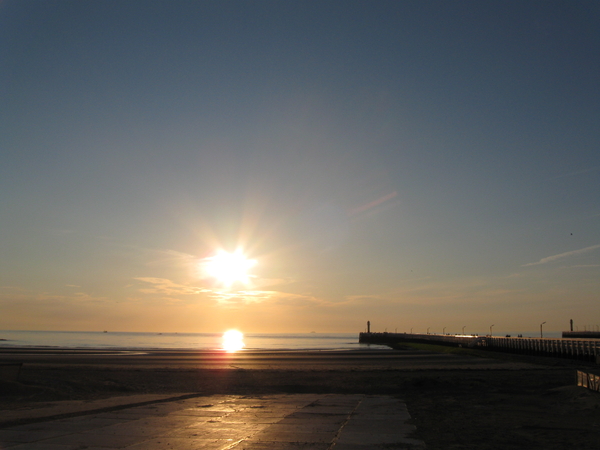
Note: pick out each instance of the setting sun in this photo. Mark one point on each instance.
(233, 340)
(229, 268)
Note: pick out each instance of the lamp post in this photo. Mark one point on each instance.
(444, 330)
(463, 330)
(411, 330)
(491, 329)
(428, 330)
(541, 329)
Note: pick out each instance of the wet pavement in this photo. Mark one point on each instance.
(222, 422)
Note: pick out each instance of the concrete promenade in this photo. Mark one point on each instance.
(219, 422)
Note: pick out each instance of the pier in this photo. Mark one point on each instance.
(392, 339)
(580, 349)
(581, 334)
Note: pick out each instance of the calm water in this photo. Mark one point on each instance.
(206, 341)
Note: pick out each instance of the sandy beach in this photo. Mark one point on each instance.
(457, 401)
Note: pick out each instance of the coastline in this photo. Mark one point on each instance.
(169, 341)
(456, 401)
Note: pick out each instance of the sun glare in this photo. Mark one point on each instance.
(233, 340)
(229, 268)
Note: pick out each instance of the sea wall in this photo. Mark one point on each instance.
(581, 349)
(443, 339)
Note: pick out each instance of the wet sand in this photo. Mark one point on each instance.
(456, 401)
(371, 359)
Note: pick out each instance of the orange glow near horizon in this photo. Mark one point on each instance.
(233, 340)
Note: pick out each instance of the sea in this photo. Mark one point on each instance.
(187, 341)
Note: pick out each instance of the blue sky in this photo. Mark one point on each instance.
(418, 164)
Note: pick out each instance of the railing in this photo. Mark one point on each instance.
(581, 349)
(581, 334)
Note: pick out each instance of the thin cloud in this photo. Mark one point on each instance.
(241, 297)
(373, 203)
(578, 172)
(570, 254)
(289, 299)
(154, 256)
(169, 257)
(32, 297)
(363, 297)
(165, 286)
(61, 232)
(224, 297)
(269, 282)
(13, 288)
(269, 298)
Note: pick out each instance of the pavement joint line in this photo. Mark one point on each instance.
(28, 420)
(234, 444)
(339, 432)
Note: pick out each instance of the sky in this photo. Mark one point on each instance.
(424, 165)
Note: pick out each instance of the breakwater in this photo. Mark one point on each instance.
(581, 349)
(392, 339)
